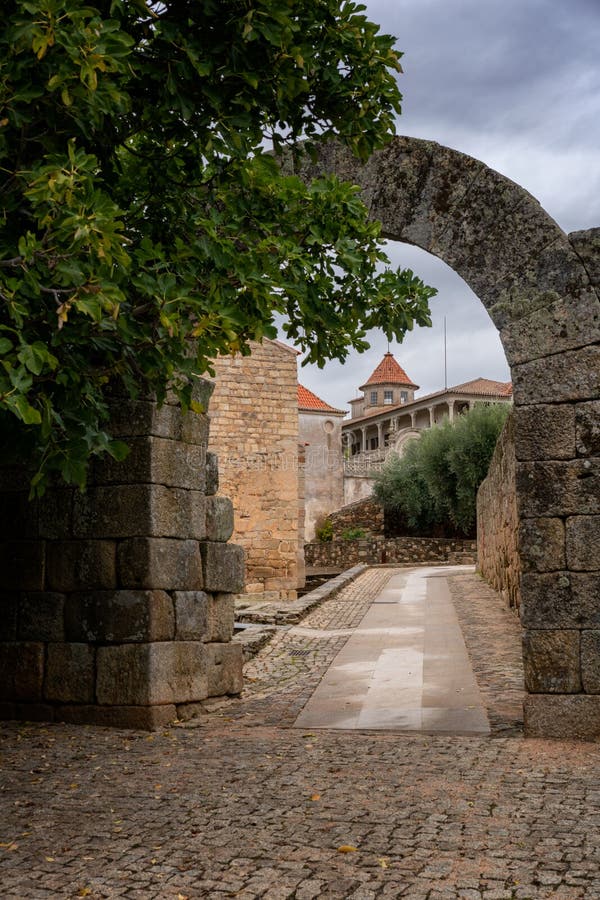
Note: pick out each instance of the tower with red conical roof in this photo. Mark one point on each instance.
(389, 385)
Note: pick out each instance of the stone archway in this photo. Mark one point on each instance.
(541, 288)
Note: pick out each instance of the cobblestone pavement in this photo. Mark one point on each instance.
(244, 807)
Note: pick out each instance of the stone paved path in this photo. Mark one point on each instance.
(245, 806)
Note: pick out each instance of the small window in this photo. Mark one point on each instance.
(374, 443)
(403, 396)
(388, 397)
(373, 398)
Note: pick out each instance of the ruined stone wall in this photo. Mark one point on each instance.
(116, 605)
(340, 555)
(254, 432)
(366, 514)
(498, 521)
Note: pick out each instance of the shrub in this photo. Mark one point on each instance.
(354, 534)
(435, 483)
(324, 530)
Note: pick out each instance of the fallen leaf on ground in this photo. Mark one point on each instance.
(383, 862)
(316, 797)
(347, 848)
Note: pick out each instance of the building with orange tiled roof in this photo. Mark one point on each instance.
(309, 402)
(320, 429)
(388, 415)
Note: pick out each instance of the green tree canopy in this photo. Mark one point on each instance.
(434, 484)
(146, 226)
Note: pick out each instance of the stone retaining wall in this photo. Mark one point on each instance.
(498, 521)
(408, 550)
(117, 605)
(366, 514)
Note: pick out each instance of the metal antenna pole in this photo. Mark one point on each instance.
(445, 359)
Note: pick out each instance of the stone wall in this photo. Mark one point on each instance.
(324, 468)
(340, 555)
(254, 431)
(498, 521)
(116, 605)
(366, 514)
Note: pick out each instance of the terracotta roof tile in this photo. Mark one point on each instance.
(484, 386)
(389, 372)
(308, 400)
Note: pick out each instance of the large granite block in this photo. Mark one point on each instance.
(224, 666)
(565, 377)
(221, 617)
(9, 607)
(148, 674)
(565, 717)
(55, 514)
(560, 600)
(223, 566)
(590, 661)
(41, 616)
(559, 488)
(212, 473)
(140, 510)
(155, 460)
(551, 662)
(587, 428)
(545, 432)
(81, 565)
(119, 616)
(219, 519)
(583, 543)
(159, 563)
(70, 673)
(191, 615)
(542, 544)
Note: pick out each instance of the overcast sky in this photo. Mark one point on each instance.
(516, 84)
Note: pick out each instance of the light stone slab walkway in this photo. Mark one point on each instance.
(405, 667)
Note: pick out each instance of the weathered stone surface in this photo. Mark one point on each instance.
(23, 565)
(542, 545)
(498, 559)
(158, 673)
(9, 605)
(115, 616)
(224, 669)
(570, 376)
(590, 661)
(21, 671)
(221, 616)
(195, 428)
(212, 474)
(55, 514)
(587, 246)
(583, 543)
(219, 519)
(566, 717)
(140, 510)
(191, 615)
(568, 323)
(133, 418)
(145, 718)
(41, 616)
(70, 673)
(551, 662)
(223, 566)
(587, 428)
(560, 600)
(164, 563)
(545, 432)
(155, 460)
(559, 488)
(79, 565)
